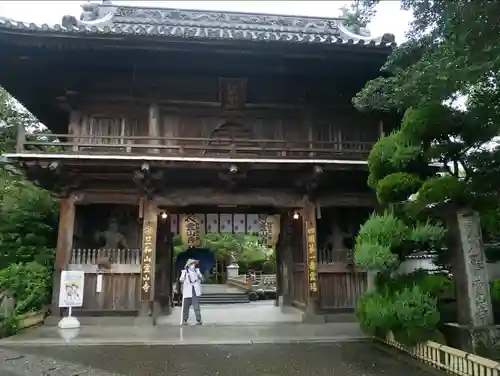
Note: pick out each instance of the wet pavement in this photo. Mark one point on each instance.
(337, 359)
(191, 335)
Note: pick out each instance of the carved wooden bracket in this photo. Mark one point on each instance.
(55, 177)
(232, 178)
(308, 183)
(232, 93)
(148, 182)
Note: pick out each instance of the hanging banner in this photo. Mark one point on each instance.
(269, 229)
(190, 230)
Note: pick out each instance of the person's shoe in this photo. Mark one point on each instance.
(199, 323)
(184, 323)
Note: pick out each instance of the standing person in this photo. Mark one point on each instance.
(191, 290)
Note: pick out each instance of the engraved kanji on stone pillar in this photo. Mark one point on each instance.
(477, 286)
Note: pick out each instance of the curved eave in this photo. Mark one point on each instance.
(185, 33)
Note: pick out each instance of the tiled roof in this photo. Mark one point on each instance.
(106, 18)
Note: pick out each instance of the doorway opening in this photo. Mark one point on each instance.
(240, 283)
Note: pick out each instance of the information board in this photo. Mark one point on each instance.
(71, 289)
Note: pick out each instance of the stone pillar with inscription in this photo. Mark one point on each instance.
(148, 253)
(310, 247)
(475, 314)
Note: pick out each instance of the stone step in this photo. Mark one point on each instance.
(227, 298)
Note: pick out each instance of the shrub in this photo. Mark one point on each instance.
(495, 290)
(386, 230)
(411, 315)
(397, 187)
(427, 236)
(28, 284)
(434, 285)
(375, 257)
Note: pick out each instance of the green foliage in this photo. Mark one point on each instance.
(379, 241)
(410, 314)
(28, 222)
(442, 189)
(375, 257)
(244, 248)
(358, 14)
(448, 53)
(29, 284)
(452, 49)
(390, 154)
(178, 247)
(28, 225)
(9, 325)
(428, 236)
(434, 285)
(495, 290)
(397, 187)
(383, 229)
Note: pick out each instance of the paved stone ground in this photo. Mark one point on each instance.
(259, 312)
(191, 335)
(348, 359)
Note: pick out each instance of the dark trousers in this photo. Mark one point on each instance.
(195, 302)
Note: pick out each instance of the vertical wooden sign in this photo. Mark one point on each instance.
(149, 228)
(312, 259)
(311, 245)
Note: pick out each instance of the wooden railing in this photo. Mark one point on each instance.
(265, 282)
(193, 147)
(449, 359)
(120, 260)
(332, 256)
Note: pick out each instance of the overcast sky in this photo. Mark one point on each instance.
(389, 19)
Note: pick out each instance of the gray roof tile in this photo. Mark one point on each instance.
(106, 18)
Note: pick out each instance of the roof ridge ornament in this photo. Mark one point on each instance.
(347, 34)
(93, 14)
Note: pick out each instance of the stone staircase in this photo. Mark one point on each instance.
(222, 294)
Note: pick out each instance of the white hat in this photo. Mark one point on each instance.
(191, 261)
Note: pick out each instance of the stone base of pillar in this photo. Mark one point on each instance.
(480, 341)
(310, 316)
(233, 270)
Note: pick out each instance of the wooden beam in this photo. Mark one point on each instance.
(106, 197)
(208, 196)
(205, 196)
(347, 200)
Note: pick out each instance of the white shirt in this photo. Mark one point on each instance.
(187, 286)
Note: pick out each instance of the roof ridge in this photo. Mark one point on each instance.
(107, 18)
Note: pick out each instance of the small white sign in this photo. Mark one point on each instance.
(98, 285)
(71, 289)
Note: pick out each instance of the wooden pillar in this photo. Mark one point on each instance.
(64, 246)
(148, 257)
(310, 249)
(154, 125)
(74, 129)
